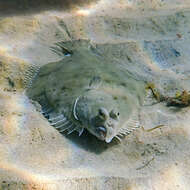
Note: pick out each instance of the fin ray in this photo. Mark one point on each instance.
(131, 125)
(30, 75)
(71, 130)
(58, 122)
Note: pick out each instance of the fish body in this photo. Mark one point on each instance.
(87, 90)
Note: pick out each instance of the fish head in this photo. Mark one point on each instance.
(100, 113)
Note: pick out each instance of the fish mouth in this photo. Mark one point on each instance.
(102, 132)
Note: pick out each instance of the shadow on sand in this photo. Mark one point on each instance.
(90, 143)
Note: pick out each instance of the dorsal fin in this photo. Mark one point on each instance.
(30, 74)
(67, 48)
(60, 49)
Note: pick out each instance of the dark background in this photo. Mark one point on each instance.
(31, 6)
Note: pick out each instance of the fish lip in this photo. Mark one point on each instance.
(102, 131)
(108, 140)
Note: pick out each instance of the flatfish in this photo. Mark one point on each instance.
(87, 90)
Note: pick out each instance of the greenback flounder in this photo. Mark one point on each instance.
(87, 90)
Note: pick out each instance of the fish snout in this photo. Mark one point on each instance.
(102, 131)
(106, 123)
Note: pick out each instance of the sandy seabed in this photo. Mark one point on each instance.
(33, 155)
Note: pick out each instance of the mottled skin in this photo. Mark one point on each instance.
(91, 90)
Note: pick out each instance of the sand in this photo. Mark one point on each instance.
(33, 155)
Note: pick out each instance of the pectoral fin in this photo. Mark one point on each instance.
(95, 82)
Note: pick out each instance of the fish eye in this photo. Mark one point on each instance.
(114, 114)
(103, 113)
